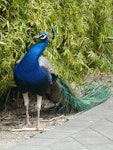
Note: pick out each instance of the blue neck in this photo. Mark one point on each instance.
(30, 60)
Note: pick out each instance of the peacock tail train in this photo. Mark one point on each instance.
(68, 103)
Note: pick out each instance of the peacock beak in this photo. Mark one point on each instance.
(37, 37)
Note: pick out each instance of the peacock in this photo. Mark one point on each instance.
(33, 75)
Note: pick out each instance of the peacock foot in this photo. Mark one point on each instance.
(28, 124)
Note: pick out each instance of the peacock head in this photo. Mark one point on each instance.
(43, 35)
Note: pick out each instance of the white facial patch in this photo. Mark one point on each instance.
(43, 37)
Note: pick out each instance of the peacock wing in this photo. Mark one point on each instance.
(44, 62)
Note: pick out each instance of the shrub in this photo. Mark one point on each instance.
(81, 28)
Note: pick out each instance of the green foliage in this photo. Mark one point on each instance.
(81, 28)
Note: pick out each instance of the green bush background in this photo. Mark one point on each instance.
(81, 45)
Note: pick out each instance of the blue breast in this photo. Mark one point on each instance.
(29, 76)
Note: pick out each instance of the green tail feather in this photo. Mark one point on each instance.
(69, 103)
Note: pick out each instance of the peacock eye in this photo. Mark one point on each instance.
(43, 36)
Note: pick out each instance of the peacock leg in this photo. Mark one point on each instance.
(39, 100)
(26, 104)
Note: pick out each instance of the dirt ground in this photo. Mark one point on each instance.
(15, 119)
(13, 116)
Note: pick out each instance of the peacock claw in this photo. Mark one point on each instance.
(39, 129)
(28, 124)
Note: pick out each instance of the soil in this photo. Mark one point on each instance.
(13, 116)
(15, 119)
